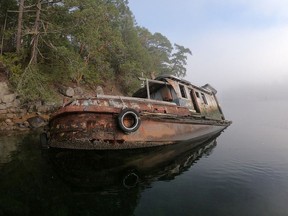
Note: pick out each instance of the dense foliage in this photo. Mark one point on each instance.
(84, 41)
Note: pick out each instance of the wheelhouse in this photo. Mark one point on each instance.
(200, 101)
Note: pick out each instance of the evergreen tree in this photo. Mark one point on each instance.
(179, 60)
(81, 41)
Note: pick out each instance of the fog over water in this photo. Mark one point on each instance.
(247, 172)
(255, 92)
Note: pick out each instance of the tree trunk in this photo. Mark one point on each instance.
(3, 32)
(35, 39)
(19, 27)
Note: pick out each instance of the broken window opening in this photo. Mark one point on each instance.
(194, 101)
(166, 94)
(204, 99)
(183, 91)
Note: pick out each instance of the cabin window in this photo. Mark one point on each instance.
(194, 100)
(183, 91)
(197, 94)
(166, 94)
(204, 98)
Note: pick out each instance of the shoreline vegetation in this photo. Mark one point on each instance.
(56, 50)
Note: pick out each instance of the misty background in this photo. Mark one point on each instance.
(240, 47)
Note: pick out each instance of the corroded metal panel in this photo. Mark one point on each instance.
(100, 131)
(114, 105)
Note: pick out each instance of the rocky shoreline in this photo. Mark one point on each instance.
(16, 116)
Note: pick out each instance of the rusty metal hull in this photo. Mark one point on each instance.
(98, 129)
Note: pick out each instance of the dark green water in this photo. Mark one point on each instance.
(244, 172)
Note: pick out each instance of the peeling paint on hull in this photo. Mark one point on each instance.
(100, 131)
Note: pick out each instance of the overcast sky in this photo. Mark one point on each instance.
(234, 42)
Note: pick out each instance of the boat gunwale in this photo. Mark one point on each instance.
(193, 119)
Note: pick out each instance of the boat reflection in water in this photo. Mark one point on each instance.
(126, 169)
(73, 182)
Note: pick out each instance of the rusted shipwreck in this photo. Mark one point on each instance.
(167, 110)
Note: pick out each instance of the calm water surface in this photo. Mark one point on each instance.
(243, 172)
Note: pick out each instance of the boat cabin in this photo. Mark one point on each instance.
(199, 100)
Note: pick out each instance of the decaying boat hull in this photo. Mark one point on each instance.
(167, 111)
(101, 131)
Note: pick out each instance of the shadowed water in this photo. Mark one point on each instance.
(244, 173)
